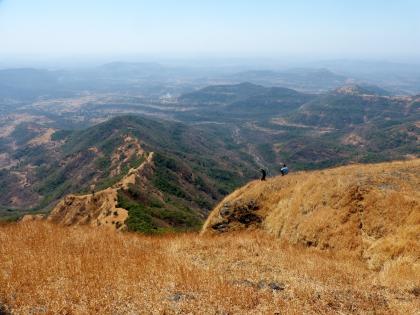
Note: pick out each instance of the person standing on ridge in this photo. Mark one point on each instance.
(284, 170)
(263, 174)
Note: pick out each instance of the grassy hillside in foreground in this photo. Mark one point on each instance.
(54, 270)
(371, 211)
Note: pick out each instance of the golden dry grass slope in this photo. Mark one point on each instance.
(371, 211)
(49, 269)
(323, 227)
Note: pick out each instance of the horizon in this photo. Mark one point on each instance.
(53, 62)
(47, 32)
(143, 145)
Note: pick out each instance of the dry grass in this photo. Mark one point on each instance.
(371, 211)
(48, 269)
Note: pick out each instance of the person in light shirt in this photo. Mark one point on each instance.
(284, 170)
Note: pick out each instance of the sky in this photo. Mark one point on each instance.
(231, 28)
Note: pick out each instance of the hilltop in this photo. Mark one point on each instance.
(245, 100)
(356, 89)
(305, 80)
(370, 211)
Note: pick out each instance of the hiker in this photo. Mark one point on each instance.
(263, 174)
(284, 170)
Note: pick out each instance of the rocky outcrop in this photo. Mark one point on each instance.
(99, 208)
(238, 215)
(32, 217)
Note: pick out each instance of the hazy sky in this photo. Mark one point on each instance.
(336, 28)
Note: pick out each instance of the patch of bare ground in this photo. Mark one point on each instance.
(8, 123)
(285, 123)
(43, 138)
(254, 126)
(50, 269)
(129, 149)
(67, 104)
(6, 162)
(353, 139)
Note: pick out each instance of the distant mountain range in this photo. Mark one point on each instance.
(155, 80)
(306, 80)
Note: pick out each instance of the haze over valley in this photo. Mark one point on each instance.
(212, 157)
(340, 120)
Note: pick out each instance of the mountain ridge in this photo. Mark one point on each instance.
(192, 169)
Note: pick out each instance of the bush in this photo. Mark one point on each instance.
(147, 218)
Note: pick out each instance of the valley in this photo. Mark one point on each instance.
(156, 172)
(209, 157)
(207, 141)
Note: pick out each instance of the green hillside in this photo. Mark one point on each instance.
(194, 168)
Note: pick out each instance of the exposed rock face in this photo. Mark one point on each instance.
(130, 148)
(372, 211)
(32, 217)
(238, 213)
(134, 173)
(99, 208)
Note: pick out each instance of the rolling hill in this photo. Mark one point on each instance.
(245, 98)
(192, 169)
(353, 123)
(370, 211)
(316, 80)
(222, 94)
(350, 106)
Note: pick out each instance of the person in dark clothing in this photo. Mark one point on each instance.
(284, 170)
(263, 174)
